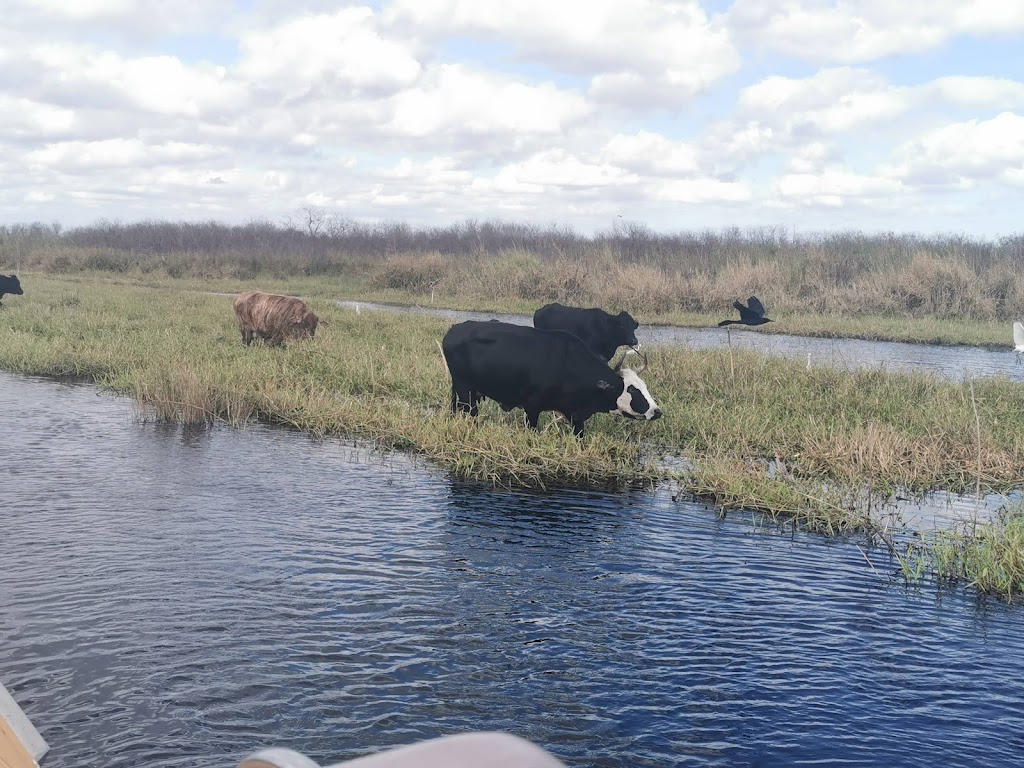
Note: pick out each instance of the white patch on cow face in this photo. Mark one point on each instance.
(635, 396)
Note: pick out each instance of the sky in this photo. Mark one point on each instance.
(812, 115)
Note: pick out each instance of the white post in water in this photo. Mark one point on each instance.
(21, 746)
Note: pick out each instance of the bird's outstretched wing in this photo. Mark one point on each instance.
(740, 307)
(756, 306)
(1018, 335)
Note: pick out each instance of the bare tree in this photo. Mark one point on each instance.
(314, 218)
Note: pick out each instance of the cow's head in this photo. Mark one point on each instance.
(309, 323)
(627, 329)
(635, 401)
(12, 285)
(304, 326)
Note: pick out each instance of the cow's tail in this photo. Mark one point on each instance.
(443, 358)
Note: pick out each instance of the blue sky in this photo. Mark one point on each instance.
(808, 114)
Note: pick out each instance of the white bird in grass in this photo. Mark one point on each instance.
(1018, 339)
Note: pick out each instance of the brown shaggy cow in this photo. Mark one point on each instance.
(274, 318)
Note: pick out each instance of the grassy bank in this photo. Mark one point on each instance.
(757, 433)
(361, 283)
(944, 288)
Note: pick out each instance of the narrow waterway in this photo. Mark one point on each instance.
(952, 362)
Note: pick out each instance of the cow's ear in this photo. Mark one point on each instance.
(602, 384)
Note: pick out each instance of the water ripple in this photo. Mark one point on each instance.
(177, 597)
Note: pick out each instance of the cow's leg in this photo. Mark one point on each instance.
(464, 399)
(577, 425)
(532, 418)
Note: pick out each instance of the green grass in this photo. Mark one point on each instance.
(756, 432)
(357, 284)
(989, 558)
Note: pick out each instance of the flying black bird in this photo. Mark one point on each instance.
(752, 314)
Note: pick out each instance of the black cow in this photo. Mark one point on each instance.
(602, 332)
(521, 367)
(9, 284)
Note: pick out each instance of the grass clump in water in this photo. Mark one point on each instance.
(989, 558)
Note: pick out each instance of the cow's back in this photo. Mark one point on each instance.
(592, 326)
(273, 316)
(510, 363)
(478, 347)
(10, 284)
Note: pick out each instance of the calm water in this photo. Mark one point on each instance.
(955, 363)
(180, 597)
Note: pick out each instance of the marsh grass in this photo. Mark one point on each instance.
(944, 288)
(899, 326)
(989, 558)
(756, 432)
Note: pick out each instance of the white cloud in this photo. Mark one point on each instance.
(652, 154)
(832, 101)
(559, 169)
(434, 173)
(809, 119)
(835, 188)
(973, 92)
(135, 21)
(963, 153)
(433, 110)
(335, 54)
(812, 158)
(702, 190)
(866, 30)
(634, 51)
(112, 153)
(1014, 176)
(452, 100)
(73, 75)
(25, 117)
(83, 9)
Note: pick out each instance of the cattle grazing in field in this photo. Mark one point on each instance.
(601, 331)
(274, 318)
(537, 370)
(10, 284)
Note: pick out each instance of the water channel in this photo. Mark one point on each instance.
(952, 362)
(183, 596)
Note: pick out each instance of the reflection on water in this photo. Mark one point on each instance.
(955, 363)
(945, 511)
(175, 597)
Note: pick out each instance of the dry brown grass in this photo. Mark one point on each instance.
(926, 285)
(629, 266)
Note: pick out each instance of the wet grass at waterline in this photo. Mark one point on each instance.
(757, 433)
(989, 558)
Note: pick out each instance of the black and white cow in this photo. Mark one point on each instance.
(10, 284)
(601, 331)
(520, 367)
